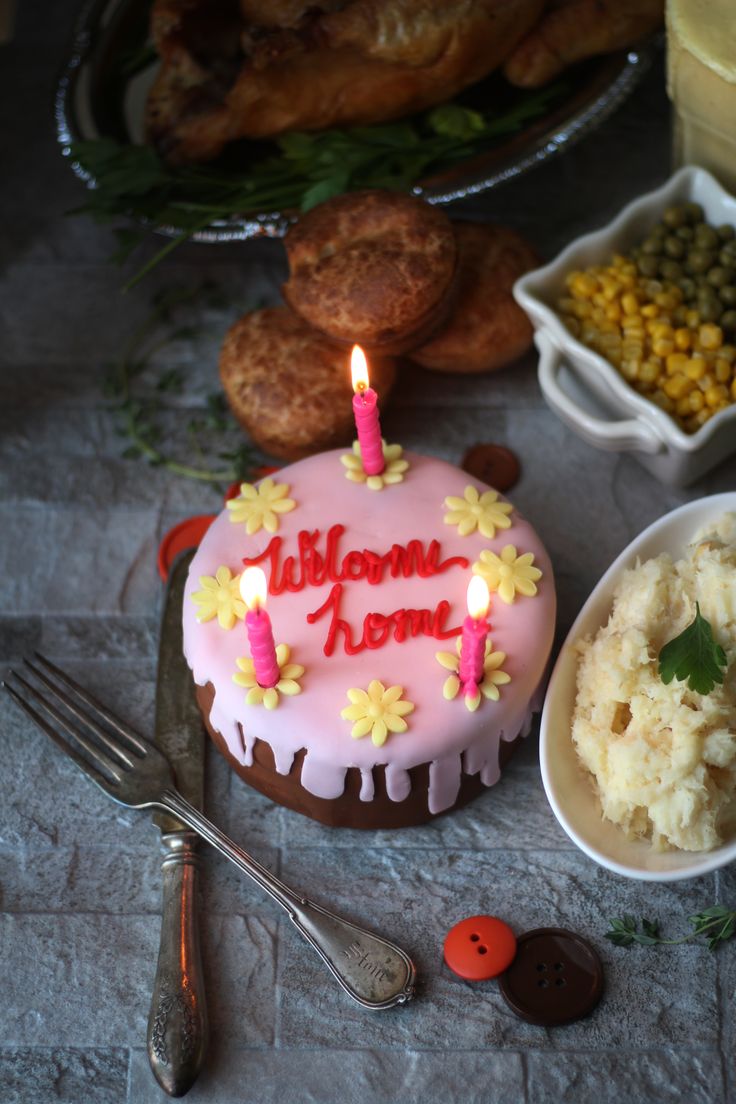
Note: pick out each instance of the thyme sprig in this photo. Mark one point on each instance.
(717, 924)
(140, 410)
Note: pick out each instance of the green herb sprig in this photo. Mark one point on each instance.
(694, 655)
(717, 924)
(139, 411)
(298, 171)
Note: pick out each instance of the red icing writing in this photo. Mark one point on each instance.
(315, 566)
(377, 627)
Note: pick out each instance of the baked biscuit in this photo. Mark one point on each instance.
(372, 267)
(290, 387)
(487, 328)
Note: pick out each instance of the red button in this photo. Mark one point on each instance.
(480, 947)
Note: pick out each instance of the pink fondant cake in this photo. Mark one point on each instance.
(367, 584)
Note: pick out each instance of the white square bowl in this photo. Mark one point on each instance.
(582, 387)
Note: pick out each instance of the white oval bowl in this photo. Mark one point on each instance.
(584, 389)
(568, 786)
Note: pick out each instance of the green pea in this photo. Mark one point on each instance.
(674, 217)
(705, 236)
(727, 295)
(699, 260)
(709, 307)
(647, 265)
(687, 287)
(670, 270)
(693, 212)
(674, 247)
(651, 245)
(685, 233)
(720, 275)
(728, 320)
(725, 232)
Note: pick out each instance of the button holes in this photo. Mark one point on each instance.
(474, 938)
(543, 983)
(559, 966)
(541, 966)
(560, 982)
(482, 949)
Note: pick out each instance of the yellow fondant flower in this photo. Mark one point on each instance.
(508, 574)
(269, 695)
(478, 511)
(258, 506)
(377, 710)
(392, 473)
(493, 676)
(220, 597)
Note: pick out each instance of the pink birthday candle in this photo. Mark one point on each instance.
(258, 627)
(365, 409)
(475, 633)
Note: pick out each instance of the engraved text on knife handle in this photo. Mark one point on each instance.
(177, 1024)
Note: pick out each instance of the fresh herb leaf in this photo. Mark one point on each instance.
(297, 171)
(693, 655)
(140, 410)
(716, 923)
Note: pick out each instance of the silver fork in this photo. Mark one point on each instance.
(134, 772)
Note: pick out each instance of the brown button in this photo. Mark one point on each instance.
(556, 977)
(492, 464)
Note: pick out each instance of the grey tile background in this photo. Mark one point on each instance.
(79, 878)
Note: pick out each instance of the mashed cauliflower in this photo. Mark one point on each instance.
(663, 757)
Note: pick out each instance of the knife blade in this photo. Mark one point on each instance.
(177, 1023)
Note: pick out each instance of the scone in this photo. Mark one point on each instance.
(373, 268)
(290, 387)
(487, 328)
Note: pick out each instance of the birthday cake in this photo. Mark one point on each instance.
(371, 719)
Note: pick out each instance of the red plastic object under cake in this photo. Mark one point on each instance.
(479, 948)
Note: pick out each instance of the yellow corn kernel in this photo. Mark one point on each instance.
(628, 279)
(649, 372)
(703, 415)
(696, 400)
(706, 381)
(692, 318)
(715, 394)
(733, 391)
(599, 299)
(669, 299)
(613, 312)
(628, 269)
(683, 338)
(728, 352)
(582, 283)
(630, 303)
(662, 346)
(677, 386)
(710, 336)
(598, 314)
(695, 368)
(682, 407)
(584, 310)
(677, 362)
(650, 310)
(722, 370)
(662, 329)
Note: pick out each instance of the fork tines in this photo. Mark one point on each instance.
(107, 754)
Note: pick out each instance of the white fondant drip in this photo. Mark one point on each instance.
(491, 770)
(283, 758)
(367, 789)
(229, 729)
(322, 779)
(444, 782)
(398, 782)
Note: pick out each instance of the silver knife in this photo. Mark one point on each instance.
(177, 1024)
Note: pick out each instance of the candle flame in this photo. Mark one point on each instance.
(478, 598)
(358, 369)
(253, 588)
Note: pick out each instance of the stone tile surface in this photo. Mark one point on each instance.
(79, 531)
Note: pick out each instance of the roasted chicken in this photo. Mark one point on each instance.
(253, 69)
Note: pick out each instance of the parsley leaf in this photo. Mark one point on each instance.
(716, 923)
(693, 655)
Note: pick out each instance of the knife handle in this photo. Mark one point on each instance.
(177, 1024)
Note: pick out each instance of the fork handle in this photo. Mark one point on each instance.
(177, 1023)
(374, 972)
